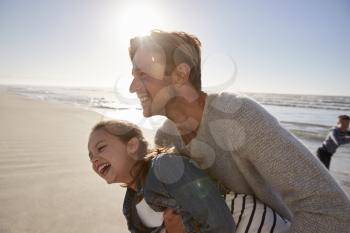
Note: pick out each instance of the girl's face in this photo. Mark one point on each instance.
(111, 158)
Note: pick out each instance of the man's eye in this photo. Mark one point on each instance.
(143, 76)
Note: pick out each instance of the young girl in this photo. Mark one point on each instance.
(161, 183)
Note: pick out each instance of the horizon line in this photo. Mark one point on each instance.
(111, 88)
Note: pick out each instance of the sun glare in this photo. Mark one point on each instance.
(138, 19)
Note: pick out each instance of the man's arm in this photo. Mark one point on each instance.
(173, 222)
(315, 199)
(193, 191)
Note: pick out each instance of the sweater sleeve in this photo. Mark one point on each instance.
(316, 200)
(167, 135)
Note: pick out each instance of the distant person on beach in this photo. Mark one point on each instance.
(339, 135)
(163, 180)
(232, 137)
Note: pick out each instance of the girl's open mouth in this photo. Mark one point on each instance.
(104, 168)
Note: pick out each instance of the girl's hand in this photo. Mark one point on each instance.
(173, 221)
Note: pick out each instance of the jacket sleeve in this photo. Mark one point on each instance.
(338, 138)
(316, 200)
(176, 182)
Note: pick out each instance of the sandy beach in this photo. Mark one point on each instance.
(46, 180)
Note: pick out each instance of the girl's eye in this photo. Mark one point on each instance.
(100, 149)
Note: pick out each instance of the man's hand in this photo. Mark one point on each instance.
(173, 221)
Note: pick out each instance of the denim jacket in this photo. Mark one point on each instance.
(176, 182)
(135, 224)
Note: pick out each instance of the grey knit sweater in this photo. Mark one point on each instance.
(246, 149)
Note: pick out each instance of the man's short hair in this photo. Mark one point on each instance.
(178, 47)
(344, 117)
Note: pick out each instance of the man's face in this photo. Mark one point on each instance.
(151, 85)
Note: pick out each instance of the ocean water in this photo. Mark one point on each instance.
(308, 117)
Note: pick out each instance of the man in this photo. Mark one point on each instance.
(339, 135)
(232, 137)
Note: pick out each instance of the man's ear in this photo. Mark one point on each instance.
(132, 147)
(181, 74)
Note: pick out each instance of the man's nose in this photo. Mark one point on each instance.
(135, 85)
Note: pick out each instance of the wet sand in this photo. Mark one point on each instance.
(46, 180)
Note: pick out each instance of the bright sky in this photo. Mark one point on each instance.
(294, 46)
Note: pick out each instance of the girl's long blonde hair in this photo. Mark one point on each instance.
(125, 131)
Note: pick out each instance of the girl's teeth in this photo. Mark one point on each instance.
(105, 170)
(102, 167)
